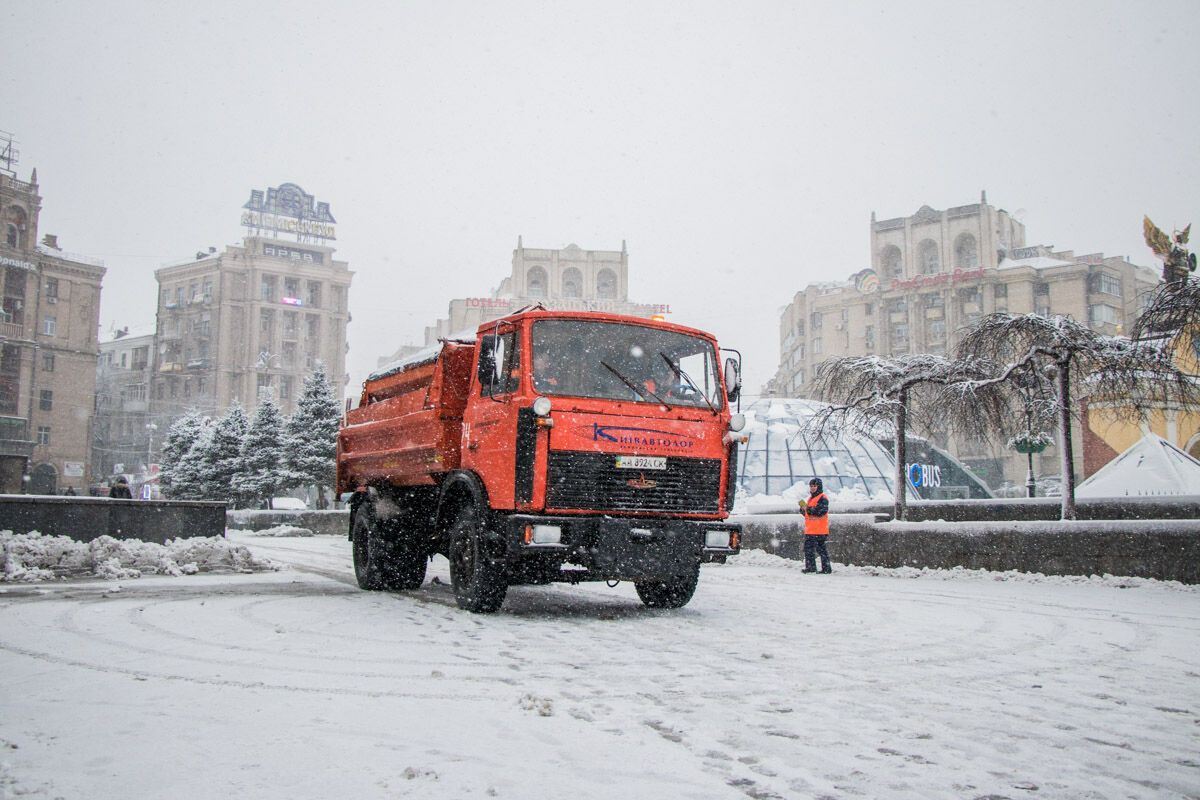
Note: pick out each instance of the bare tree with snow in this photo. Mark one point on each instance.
(1134, 376)
(867, 392)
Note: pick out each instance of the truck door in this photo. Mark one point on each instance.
(490, 420)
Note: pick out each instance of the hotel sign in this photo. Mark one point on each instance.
(288, 209)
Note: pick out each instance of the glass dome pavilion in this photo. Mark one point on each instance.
(777, 455)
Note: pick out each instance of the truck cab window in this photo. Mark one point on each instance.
(503, 350)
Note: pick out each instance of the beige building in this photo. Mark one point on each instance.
(933, 273)
(123, 433)
(254, 318)
(568, 279)
(48, 326)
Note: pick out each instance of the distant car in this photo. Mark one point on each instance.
(288, 504)
(1049, 486)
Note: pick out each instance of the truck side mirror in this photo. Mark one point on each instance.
(733, 379)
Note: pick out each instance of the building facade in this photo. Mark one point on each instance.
(48, 349)
(568, 279)
(124, 432)
(935, 272)
(252, 319)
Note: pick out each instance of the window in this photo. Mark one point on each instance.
(937, 330)
(814, 319)
(891, 261)
(816, 346)
(800, 350)
(535, 282)
(285, 388)
(1041, 289)
(572, 283)
(499, 363)
(47, 362)
(43, 435)
(50, 326)
(1105, 284)
(46, 400)
(339, 298)
(314, 326)
(800, 328)
(141, 357)
(870, 309)
(264, 386)
(934, 300)
(268, 288)
(291, 324)
(928, 257)
(1000, 291)
(606, 285)
(11, 237)
(1102, 314)
(314, 294)
(291, 287)
(52, 287)
(966, 253)
(266, 324)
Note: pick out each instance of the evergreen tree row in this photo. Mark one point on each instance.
(247, 460)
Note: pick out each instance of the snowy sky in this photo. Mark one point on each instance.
(739, 149)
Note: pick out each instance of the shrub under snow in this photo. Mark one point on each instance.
(34, 557)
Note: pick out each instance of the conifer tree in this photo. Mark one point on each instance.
(222, 457)
(180, 437)
(264, 470)
(187, 481)
(311, 435)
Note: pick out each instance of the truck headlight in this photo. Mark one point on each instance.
(737, 422)
(541, 406)
(543, 534)
(717, 539)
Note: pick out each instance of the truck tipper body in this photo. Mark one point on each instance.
(549, 447)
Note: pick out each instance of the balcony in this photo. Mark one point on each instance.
(198, 363)
(14, 437)
(12, 330)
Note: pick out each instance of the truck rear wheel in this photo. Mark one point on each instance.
(675, 592)
(383, 563)
(477, 576)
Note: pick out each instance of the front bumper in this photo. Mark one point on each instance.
(613, 548)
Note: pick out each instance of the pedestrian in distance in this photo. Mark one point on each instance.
(120, 489)
(816, 527)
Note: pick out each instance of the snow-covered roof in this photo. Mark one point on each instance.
(428, 353)
(1152, 467)
(1037, 262)
(132, 332)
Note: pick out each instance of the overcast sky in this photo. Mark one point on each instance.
(738, 148)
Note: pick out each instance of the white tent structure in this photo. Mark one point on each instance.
(1153, 467)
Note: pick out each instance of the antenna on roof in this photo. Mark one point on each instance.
(9, 155)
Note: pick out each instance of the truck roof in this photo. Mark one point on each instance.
(429, 353)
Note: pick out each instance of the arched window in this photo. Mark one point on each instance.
(966, 252)
(14, 219)
(535, 282)
(572, 283)
(928, 258)
(606, 285)
(891, 262)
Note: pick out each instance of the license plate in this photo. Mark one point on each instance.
(641, 462)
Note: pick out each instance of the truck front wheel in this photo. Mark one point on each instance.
(477, 576)
(675, 592)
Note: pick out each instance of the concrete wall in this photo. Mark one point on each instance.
(1159, 549)
(1038, 508)
(325, 523)
(88, 518)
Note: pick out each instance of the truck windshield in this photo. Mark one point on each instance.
(585, 358)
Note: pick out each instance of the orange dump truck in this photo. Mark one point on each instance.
(552, 446)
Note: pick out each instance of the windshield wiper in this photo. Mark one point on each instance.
(678, 370)
(640, 392)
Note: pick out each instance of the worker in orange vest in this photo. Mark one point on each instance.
(816, 527)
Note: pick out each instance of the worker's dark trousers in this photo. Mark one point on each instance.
(814, 546)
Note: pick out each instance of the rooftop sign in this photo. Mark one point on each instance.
(289, 209)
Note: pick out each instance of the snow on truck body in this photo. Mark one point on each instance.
(551, 446)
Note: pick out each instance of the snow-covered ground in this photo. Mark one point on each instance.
(865, 683)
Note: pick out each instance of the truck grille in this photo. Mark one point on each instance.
(592, 481)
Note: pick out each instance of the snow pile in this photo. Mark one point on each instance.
(278, 530)
(761, 558)
(34, 557)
